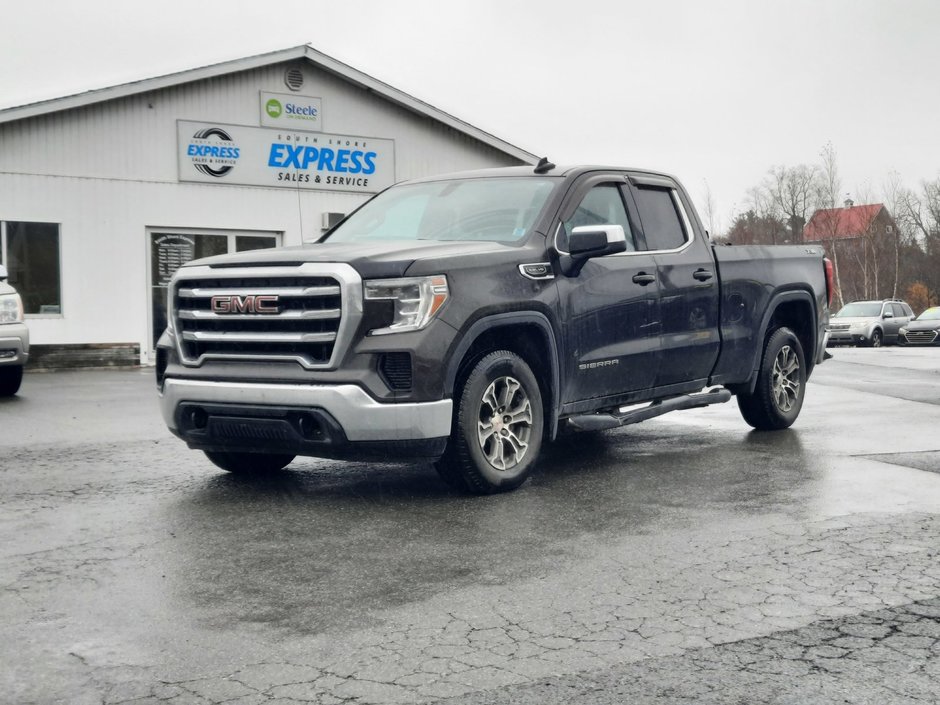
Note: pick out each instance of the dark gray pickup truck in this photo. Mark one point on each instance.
(463, 318)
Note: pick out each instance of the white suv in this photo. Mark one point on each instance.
(870, 323)
(14, 338)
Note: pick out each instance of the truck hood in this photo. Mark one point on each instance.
(390, 258)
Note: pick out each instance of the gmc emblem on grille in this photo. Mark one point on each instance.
(250, 303)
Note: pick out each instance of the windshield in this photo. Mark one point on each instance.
(931, 314)
(498, 210)
(860, 310)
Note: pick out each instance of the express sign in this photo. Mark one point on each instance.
(253, 156)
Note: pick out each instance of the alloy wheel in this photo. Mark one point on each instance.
(505, 423)
(786, 378)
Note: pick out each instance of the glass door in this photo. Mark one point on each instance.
(170, 250)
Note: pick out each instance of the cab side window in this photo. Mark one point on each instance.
(660, 217)
(602, 205)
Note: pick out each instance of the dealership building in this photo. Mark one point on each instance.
(104, 194)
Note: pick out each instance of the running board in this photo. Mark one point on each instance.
(602, 422)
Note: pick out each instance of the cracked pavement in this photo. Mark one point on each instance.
(680, 560)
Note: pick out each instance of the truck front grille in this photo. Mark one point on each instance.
(269, 313)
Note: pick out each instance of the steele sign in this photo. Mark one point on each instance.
(294, 112)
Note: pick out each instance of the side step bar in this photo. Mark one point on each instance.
(602, 422)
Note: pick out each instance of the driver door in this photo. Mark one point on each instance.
(611, 306)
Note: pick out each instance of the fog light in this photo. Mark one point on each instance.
(198, 418)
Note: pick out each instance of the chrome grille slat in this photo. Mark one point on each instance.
(277, 291)
(318, 307)
(290, 314)
(265, 337)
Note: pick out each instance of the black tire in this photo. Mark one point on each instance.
(781, 384)
(10, 380)
(249, 463)
(877, 339)
(497, 429)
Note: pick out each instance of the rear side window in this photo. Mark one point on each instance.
(660, 217)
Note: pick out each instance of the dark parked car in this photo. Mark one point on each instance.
(869, 323)
(923, 330)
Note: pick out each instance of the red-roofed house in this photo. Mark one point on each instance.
(849, 223)
(862, 243)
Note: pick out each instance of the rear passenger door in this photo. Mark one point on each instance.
(892, 325)
(688, 284)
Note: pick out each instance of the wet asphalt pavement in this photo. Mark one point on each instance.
(682, 560)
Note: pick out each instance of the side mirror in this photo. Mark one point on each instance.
(3, 273)
(888, 314)
(589, 241)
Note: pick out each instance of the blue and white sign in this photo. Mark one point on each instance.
(255, 156)
(294, 112)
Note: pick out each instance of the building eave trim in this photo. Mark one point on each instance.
(322, 61)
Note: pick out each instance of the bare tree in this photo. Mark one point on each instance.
(711, 216)
(893, 193)
(794, 190)
(764, 209)
(828, 188)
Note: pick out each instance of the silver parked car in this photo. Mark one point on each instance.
(14, 338)
(870, 323)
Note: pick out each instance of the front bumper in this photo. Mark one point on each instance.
(849, 337)
(921, 337)
(14, 344)
(320, 420)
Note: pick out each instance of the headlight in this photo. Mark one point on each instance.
(860, 326)
(417, 300)
(11, 308)
(903, 331)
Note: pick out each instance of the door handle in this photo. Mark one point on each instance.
(643, 278)
(703, 275)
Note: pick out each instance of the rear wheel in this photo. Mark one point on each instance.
(10, 379)
(781, 384)
(249, 463)
(498, 427)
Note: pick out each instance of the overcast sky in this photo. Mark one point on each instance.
(710, 91)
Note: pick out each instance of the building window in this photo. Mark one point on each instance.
(30, 252)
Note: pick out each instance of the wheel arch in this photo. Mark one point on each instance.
(529, 334)
(795, 310)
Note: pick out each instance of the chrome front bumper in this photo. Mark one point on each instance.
(14, 344)
(361, 417)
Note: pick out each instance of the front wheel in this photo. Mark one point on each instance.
(249, 463)
(497, 427)
(10, 379)
(781, 384)
(877, 338)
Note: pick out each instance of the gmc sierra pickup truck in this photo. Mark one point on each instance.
(462, 319)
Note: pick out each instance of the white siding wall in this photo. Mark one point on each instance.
(108, 172)
(135, 137)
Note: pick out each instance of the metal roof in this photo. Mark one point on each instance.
(318, 59)
(841, 223)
